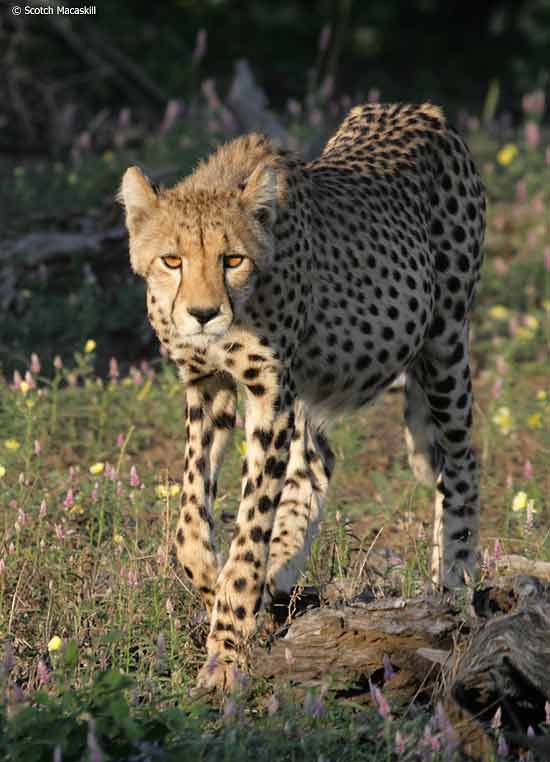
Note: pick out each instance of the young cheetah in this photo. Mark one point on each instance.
(311, 286)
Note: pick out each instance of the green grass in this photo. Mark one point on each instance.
(89, 481)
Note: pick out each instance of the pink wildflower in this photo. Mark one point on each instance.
(497, 551)
(502, 746)
(57, 362)
(35, 363)
(324, 37)
(43, 509)
(200, 46)
(120, 440)
(381, 702)
(135, 481)
(2, 566)
(547, 712)
(546, 253)
(37, 447)
(400, 745)
(30, 380)
(43, 672)
(59, 531)
(95, 493)
(532, 134)
(17, 379)
(528, 470)
(69, 499)
(388, 669)
(113, 369)
(94, 751)
(273, 705)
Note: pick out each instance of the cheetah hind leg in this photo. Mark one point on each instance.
(424, 454)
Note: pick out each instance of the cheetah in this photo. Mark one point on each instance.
(310, 286)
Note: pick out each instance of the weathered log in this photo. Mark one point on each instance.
(507, 664)
(348, 645)
(494, 653)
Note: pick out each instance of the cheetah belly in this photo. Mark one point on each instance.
(348, 359)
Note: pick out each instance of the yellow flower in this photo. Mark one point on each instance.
(2, 472)
(503, 420)
(89, 346)
(531, 322)
(546, 305)
(498, 312)
(55, 643)
(520, 501)
(19, 171)
(97, 468)
(24, 387)
(30, 404)
(507, 154)
(72, 178)
(534, 421)
(118, 539)
(163, 491)
(524, 333)
(77, 509)
(541, 395)
(11, 444)
(242, 448)
(108, 156)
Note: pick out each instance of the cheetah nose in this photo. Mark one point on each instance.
(203, 315)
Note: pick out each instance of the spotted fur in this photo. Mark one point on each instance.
(350, 269)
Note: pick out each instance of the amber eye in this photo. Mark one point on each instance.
(232, 261)
(172, 262)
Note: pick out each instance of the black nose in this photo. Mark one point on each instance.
(203, 315)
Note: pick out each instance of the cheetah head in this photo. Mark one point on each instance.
(201, 247)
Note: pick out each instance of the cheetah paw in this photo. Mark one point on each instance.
(218, 675)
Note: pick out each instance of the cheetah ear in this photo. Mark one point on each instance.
(137, 196)
(259, 194)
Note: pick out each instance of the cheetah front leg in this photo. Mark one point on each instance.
(240, 586)
(211, 405)
(306, 483)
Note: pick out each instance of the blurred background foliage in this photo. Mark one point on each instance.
(62, 73)
(160, 85)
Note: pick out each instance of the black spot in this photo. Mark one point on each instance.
(240, 612)
(441, 262)
(456, 435)
(363, 362)
(436, 228)
(195, 414)
(264, 438)
(224, 421)
(188, 571)
(180, 537)
(239, 584)
(258, 390)
(256, 534)
(265, 504)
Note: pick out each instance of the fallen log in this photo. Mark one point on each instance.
(474, 658)
(354, 643)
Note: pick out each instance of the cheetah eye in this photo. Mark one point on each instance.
(171, 261)
(232, 261)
